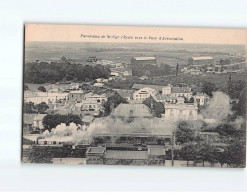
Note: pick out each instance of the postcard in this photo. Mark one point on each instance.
(133, 95)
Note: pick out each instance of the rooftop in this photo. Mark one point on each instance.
(202, 58)
(131, 110)
(144, 58)
(155, 87)
(96, 150)
(118, 154)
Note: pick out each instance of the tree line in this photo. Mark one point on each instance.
(44, 72)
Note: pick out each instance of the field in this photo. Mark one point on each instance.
(192, 80)
(165, 53)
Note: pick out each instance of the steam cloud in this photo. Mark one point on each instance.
(216, 111)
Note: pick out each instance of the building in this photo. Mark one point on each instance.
(201, 98)
(157, 88)
(154, 155)
(200, 61)
(143, 61)
(28, 122)
(47, 97)
(98, 84)
(181, 110)
(177, 91)
(94, 155)
(88, 105)
(126, 94)
(38, 121)
(100, 98)
(144, 93)
(76, 95)
(142, 66)
(129, 112)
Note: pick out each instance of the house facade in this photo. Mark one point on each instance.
(144, 93)
(181, 110)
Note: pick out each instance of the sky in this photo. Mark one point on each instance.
(89, 33)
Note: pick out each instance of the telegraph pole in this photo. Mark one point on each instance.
(172, 151)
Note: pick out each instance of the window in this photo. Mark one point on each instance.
(45, 142)
(54, 142)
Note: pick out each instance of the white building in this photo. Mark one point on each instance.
(88, 105)
(201, 98)
(98, 84)
(177, 91)
(47, 97)
(181, 110)
(38, 121)
(144, 93)
(100, 98)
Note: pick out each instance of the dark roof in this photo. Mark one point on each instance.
(96, 150)
(28, 119)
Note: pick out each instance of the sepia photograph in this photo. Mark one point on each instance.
(137, 96)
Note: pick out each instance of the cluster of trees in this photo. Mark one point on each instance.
(51, 121)
(233, 154)
(112, 102)
(196, 149)
(43, 72)
(30, 108)
(158, 107)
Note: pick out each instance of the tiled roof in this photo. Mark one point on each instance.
(131, 110)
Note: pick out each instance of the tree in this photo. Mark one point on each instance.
(113, 102)
(42, 88)
(184, 135)
(29, 108)
(206, 152)
(39, 155)
(25, 88)
(51, 121)
(42, 107)
(188, 152)
(208, 88)
(158, 107)
(235, 88)
(236, 155)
